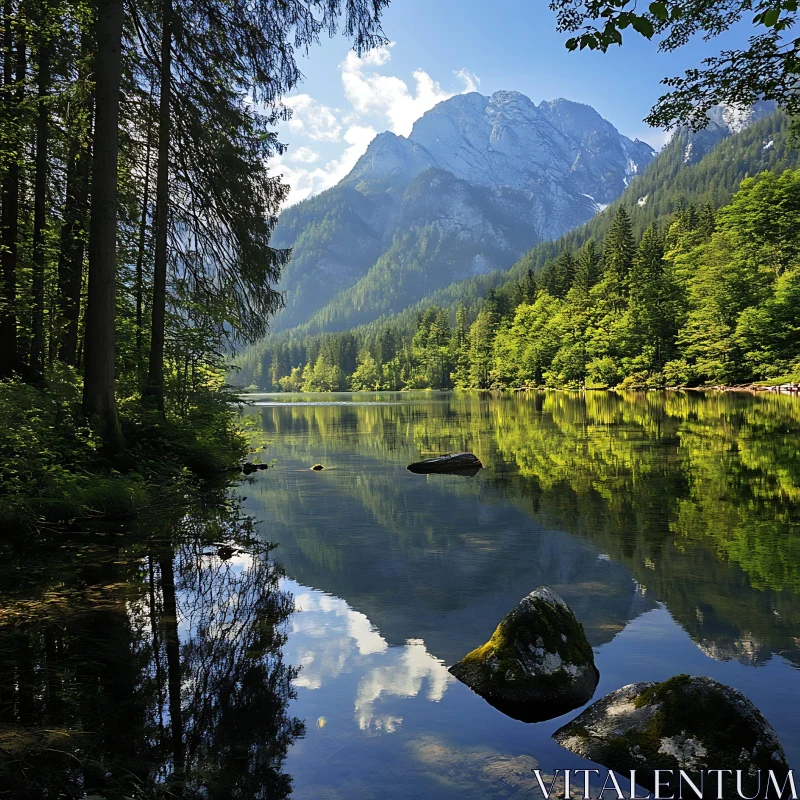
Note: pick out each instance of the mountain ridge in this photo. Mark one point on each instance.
(519, 174)
(503, 114)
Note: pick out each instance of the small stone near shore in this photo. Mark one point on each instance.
(538, 663)
(685, 723)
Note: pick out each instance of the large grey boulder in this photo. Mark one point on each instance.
(685, 723)
(538, 663)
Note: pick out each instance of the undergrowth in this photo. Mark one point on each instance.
(53, 469)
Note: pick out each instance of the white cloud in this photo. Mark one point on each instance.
(303, 155)
(471, 80)
(369, 92)
(313, 119)
(376, 102)
(307, 182)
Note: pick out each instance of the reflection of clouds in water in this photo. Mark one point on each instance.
(240, 561)
(317, 620)
(327, 631)
(412, 667)
(331, 638)
(380, 723)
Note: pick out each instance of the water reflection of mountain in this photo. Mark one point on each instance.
(422, 567)
(694, 496)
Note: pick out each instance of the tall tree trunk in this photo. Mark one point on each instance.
(143, 233)
(172, 646)
(155, 378)
(156, 644)
(26, 681)
(9, 361)
(70, 259)
(99, 403)
(36, 365)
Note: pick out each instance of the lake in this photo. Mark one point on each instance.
(185, 651)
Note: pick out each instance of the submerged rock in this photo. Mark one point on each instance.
(685, 723)
(249, 467)
(456, 464)
(538, 663)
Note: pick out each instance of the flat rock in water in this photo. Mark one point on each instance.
(538, 663)
(685, 723)
(456, 464)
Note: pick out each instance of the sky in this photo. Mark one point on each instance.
(439, 48)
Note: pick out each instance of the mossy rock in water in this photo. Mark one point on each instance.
(685, 723)
(538, 663)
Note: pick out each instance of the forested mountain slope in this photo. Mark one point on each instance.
(690, 170)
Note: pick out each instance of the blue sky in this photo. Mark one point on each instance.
(443, 47)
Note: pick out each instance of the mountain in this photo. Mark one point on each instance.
(478, 182)
(670, 182)
(723, 121)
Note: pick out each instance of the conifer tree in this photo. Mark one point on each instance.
(651, 297)
(155, 375)
(213, 149)
(525, 290)
(557, 275)
(75, 209)
(99, 386)
(14, 70)
(42, 135)
(588, 268)
(386, 346)
(707, 220)
(460, 348)
(482, 334)
(619, 247)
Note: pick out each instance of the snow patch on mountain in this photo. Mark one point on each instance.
(723, 121)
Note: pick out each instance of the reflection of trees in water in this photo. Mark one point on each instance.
(697, 493)
(148, 665)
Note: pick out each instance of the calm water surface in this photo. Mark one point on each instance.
(181, 656)
(668, 522)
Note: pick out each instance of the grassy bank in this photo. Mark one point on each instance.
(53, 470)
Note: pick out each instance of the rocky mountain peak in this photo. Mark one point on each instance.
(477, 182)
(723, 120)
(735, 118)
(506, 140)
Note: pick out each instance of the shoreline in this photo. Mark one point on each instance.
(788, 388)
